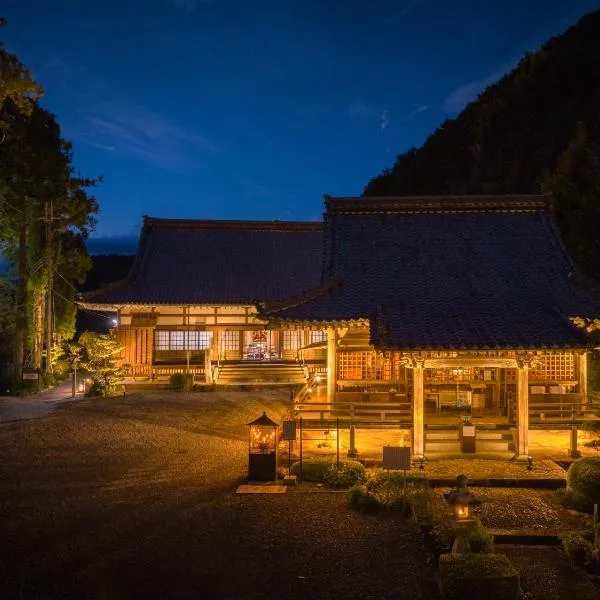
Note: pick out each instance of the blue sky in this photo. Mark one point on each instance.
(247, 109)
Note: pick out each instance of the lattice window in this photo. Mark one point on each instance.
(558, 366)
(292, 340)
(178, 340)
(461, 374)
(318, 336)
(230, 341)
(356, 365)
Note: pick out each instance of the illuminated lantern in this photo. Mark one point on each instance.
(262, 449)
(462, 512)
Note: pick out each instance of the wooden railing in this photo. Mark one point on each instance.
(564, 411)
(155, 371)
(355, 411)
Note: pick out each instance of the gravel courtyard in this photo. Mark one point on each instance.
(133, 497)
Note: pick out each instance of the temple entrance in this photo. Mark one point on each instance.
(261, 345)
(478, 393)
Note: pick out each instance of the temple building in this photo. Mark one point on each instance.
(428, 305)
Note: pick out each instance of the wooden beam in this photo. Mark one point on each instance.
(331, 363)
(418, 411)
(582, 376)
(522, 412)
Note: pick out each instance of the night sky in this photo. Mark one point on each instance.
(243, 109)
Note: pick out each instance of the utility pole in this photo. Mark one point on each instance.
(49, 275)
(21, 320)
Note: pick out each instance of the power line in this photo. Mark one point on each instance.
(11, 206)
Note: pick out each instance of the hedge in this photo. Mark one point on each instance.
(583, 478)
(320, 470)
(489, 576)
(181, 382)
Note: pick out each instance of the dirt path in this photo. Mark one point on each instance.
(35, 405)
(134, 498)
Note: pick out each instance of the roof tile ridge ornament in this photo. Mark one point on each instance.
(234, 224)
(529, 359)
(439, 204)
(412, 360)
(267, 308)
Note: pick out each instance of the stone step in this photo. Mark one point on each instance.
(442, 446)
(441, 435)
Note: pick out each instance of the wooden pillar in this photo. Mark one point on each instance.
(331, 363)
(582, 375)
(418, 410)
(522, 410)
(215, 345)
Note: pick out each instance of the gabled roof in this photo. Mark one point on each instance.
(453, 272)
(217, 262)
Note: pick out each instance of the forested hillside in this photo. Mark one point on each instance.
(535, 130)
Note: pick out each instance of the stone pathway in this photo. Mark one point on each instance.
(35, 405)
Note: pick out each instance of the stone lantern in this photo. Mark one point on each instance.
(462, 502)
(262, 449)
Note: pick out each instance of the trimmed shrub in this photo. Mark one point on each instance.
(359, 499)
(422, 506)
(480, 539)
(583, 478)
(489, 576)
(321, 470)
(579, 547)
(389, 489)
(574, 501)
(439, 538)
(181, 382)
(350, 473)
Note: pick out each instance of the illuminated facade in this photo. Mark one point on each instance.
(443, 303)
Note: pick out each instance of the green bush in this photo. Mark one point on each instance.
(489, 576)
(579, 547)
(359, 499)
(422, 506)
(480, 539)
(583, 478)
(390, 491)
(350, 473)
(439, 538)
(321, 470)
(181, 382)
(574, 501)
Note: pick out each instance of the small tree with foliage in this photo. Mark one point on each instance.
(101, 354)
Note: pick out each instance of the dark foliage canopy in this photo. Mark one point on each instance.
(535, 130)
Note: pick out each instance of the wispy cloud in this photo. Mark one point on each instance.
(106, 120)
(312, 112)
(121, 126)
(360, 110)
(459, 97)
(384, 121)
(414, 113)
(398, 16)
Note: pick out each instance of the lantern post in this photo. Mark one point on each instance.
(262, 449)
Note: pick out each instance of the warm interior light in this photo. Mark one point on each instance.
(463, 511)
(262, 440)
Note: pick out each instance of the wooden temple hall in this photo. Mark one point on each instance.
(422, 308)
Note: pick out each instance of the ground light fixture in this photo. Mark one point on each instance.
(262, 449)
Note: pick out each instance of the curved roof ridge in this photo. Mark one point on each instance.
(439, 204)
(271, 225)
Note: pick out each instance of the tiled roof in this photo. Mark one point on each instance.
(213, 262)
(448, 272)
